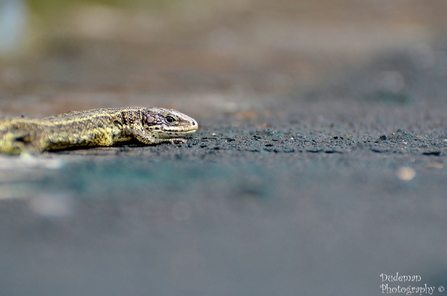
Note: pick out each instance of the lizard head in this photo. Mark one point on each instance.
(168, 123)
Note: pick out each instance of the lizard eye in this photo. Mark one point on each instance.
(170, 119)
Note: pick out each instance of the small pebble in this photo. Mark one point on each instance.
(406, 173)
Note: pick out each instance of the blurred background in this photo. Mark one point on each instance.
(221, 56)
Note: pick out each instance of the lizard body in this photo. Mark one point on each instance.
(97, 127)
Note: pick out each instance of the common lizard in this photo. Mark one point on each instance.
(97, 127)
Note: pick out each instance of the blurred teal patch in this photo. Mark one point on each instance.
(136, 178)
(389, 97)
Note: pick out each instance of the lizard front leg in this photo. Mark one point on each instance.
(148, 139)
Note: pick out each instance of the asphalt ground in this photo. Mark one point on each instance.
(317, 192)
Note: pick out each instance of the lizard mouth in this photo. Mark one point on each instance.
(176, 132)
(191, 129)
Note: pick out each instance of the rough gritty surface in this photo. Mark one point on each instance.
(317, 193)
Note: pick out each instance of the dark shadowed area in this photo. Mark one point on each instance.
(318, 167)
